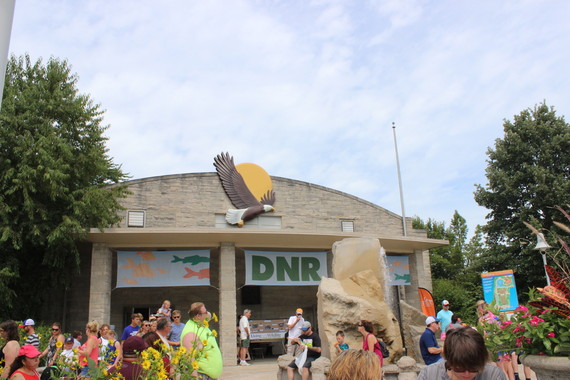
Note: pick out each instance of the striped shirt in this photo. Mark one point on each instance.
(33, 339)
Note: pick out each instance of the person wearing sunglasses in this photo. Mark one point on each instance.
(465, 358)
(53, 349)
(176, 331)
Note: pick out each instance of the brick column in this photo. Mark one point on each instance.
(100, 285)
(228, 306)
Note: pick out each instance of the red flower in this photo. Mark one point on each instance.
(551, 335)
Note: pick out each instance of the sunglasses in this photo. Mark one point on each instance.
(176, 316)
(461, 370)
(54, 329)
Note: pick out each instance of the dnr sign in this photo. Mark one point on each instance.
(284, 268)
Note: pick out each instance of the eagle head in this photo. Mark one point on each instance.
(268, 208)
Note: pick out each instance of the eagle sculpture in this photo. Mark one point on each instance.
(238, 192)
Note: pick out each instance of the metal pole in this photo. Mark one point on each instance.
(6, 17)
(543, 253)
(400, 181)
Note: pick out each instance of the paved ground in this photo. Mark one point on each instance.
(266, 369)
(260, 369)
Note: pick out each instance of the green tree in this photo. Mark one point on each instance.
(528, 173)
(449, 261)
(54, 177)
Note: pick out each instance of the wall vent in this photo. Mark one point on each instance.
(347, 225)
(135, 218)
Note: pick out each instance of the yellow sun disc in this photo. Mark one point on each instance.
(256, 179)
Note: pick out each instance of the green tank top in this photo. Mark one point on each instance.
(210, 359)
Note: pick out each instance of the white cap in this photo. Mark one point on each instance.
(430, 320)
(445, 302)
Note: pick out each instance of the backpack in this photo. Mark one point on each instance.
(384, 349)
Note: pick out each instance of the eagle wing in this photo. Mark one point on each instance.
(233, 182)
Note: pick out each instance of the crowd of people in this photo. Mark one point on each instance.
(69, 357)
(462, 357)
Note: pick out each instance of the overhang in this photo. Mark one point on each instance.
(159, 238)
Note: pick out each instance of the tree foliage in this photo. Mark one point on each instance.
(455, 278)
(54, 176)
(528, 173)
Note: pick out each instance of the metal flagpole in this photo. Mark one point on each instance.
(400, 181)
(6, 17)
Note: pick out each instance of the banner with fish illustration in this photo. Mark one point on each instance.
(162, 268)
(398, 270)
(285, 268)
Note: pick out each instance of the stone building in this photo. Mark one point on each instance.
(186, 213)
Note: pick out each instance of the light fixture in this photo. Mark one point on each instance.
(542, 246)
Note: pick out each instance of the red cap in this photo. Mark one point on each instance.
(29, 351)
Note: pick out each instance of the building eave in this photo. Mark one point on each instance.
(166, 238)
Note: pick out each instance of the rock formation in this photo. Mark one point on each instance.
(356, 292)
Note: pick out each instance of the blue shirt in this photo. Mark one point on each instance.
(176, 332)
(129, 331)
(445, 317)
(428, 340)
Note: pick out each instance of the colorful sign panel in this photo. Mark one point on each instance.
(398, 270)
(501, 288)
(162, 268)
(284, 268)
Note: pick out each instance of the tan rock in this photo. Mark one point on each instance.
(413, 323)
(342, 304)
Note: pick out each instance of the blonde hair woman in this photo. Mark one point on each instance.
(90, 348)
(356, 364)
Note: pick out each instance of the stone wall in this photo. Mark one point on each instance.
(192, 200)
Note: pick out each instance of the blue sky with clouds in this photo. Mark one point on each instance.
(309, 89)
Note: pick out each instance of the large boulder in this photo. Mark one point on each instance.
(356, 292)
(413, 323)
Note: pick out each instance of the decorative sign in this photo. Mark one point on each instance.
(162, 268)
(248, 186)
(267, 330)
(284, 268)
(399, 270)
(500, 287)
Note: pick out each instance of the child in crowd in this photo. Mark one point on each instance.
(165, 309)
(340, 345)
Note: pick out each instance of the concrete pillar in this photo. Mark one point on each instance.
(228, 306)
(420, 274)
(100, 284)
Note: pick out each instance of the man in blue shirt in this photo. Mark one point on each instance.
(444, 315)
(133, 328)
(431, 352)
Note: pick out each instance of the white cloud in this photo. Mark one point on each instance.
(308, 90)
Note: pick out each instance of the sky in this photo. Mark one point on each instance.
(309, 90)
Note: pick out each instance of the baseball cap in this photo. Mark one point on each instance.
(299, 310)
(430, 320)
(69, 339)
(445, 302)
(134, 345)
(29, 351)
(28, 322)
(306, 326)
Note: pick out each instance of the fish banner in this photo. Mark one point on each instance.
(162, 268)
(285, 268)
(398, 270)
